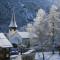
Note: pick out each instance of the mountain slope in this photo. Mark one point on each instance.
(24, 13)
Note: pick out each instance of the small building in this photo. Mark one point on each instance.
(14, 35)
(5, 46)
(25, 38)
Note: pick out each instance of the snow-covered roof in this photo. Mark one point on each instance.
(4, 41)
(24, 34)
(15, 38)
(29, 51)
(18, 37)
(13, 22)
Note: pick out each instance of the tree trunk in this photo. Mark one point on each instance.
(43, 55)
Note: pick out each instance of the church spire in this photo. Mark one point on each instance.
(13, 24)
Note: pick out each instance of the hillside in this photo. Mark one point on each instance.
(25, 11)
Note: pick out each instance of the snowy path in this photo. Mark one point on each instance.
(55, 57)
(18, 58)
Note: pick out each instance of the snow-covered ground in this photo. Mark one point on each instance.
(47, 56)
(39, 56)
(13, 57)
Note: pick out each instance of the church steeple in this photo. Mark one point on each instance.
(13, 24)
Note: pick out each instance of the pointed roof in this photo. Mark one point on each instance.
(13, 22)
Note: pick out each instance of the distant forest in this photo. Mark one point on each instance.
(25, 11)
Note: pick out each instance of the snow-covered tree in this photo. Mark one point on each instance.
(41, 27)
(46, 27)
(54, 27)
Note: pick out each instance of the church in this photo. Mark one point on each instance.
(15, 36)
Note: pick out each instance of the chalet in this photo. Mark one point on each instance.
(5, 46)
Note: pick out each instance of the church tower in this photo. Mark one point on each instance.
(13, 25)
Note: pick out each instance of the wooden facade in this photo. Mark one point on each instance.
(30, 56)
(4, 53)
